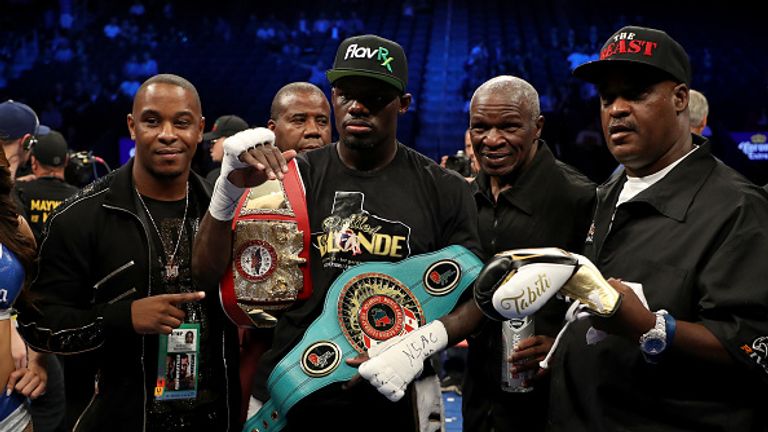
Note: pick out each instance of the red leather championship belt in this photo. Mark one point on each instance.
(270, 252)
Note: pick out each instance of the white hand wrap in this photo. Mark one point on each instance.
(396, 362)
(225, 194)
(238, 143)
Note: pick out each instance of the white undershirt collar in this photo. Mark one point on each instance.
(635, 185)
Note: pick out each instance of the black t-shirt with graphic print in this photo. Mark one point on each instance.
(411, 206)
(209, 407)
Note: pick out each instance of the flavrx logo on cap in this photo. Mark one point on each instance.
(371, 56)
(381, 54)
(640, 46)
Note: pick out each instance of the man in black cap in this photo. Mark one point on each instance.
(18, 127)
(403, 197)
(690, 232)
(225, 126)
(48, 189)
(39, 197)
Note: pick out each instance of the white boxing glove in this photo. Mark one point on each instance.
(225, 194)
(530, 288)
(396, 362)
(517, 283)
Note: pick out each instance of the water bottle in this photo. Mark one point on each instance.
(512, 332)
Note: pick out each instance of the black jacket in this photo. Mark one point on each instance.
(697, 241)
(549, 205)
(94, 261)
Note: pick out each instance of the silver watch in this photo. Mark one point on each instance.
(654, 341)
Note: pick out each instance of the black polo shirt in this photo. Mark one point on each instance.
(550, 204)
(698, 241)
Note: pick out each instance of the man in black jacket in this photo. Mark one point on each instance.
(115, 278)
(525, 198)
(690, 233)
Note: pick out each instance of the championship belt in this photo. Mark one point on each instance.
(367, 304)
(270, 250)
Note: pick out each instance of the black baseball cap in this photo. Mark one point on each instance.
(50, 149)
(373, 57)
(641, 46)
(226, 126)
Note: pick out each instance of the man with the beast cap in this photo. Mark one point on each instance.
(366, 184)
(692, 233)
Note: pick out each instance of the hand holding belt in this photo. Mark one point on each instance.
(225, 193)
(396, 362)
(270, 267)
(366, 305)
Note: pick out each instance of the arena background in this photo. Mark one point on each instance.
(77, 62)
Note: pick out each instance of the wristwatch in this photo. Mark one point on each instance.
(658, 338)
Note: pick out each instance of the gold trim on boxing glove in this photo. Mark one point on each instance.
(590, 288)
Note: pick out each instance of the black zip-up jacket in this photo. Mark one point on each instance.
(94, 261)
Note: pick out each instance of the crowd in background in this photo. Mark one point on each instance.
(79, 63)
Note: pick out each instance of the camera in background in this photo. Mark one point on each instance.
(460, 163)
(82, 168)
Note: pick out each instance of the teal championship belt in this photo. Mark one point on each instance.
(367, 304)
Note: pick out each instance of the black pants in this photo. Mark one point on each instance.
(79, 383)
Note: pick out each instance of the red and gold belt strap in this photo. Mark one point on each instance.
(296, 213)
